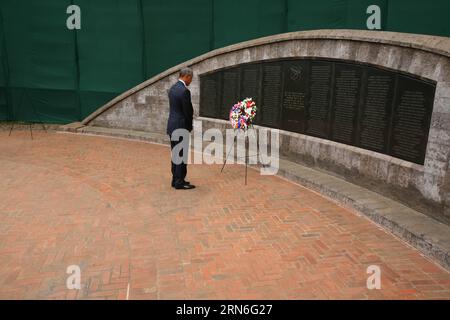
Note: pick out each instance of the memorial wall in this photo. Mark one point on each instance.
(356, 104)
(371, 107)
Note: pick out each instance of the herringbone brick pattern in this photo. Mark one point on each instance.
(107, 205)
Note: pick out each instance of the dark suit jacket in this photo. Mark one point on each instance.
(181, 110)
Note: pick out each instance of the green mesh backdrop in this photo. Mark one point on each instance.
(52, 74)
(4, 112)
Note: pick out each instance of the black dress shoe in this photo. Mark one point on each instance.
(184, 186)
(185, 182)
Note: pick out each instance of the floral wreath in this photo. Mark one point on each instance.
(242, 114)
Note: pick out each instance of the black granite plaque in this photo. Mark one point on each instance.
(411, 119)
(251, 85)
(346, 96)
(317, 122)
(294, 96)
(376, 109)
(360, 105)
(271, 94)
(210, 95)
(230, 91)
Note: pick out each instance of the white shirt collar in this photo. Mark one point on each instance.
(182, 82)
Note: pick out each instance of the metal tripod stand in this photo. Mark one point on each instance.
(247, 155)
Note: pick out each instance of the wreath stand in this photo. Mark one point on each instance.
(246, 156)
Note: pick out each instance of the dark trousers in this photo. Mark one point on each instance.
(179, 171)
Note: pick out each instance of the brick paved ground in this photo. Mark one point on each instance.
(106, 205)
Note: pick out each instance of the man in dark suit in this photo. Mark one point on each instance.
(180, 117)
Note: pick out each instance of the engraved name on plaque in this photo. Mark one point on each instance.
(319, 99)
(210, 96)
(294, 96)
(271, 94)
(345, 103)
(250, 85)
(230, 91)
(376, 110)
(412, 112)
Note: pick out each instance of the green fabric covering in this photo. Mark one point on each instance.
(52, 74)
(317, 14)
(427, 17)
(237, 20)
(4, 114)
(47, 105)
(92, 100)
(110, 45)
(4, 75)
(175, 31)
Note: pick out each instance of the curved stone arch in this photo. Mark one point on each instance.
(338, 60)
(340, 40)
(145, 107)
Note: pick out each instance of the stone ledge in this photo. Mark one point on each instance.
(116, 132)
(325, 142)
(71, 127)
(427, 235)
